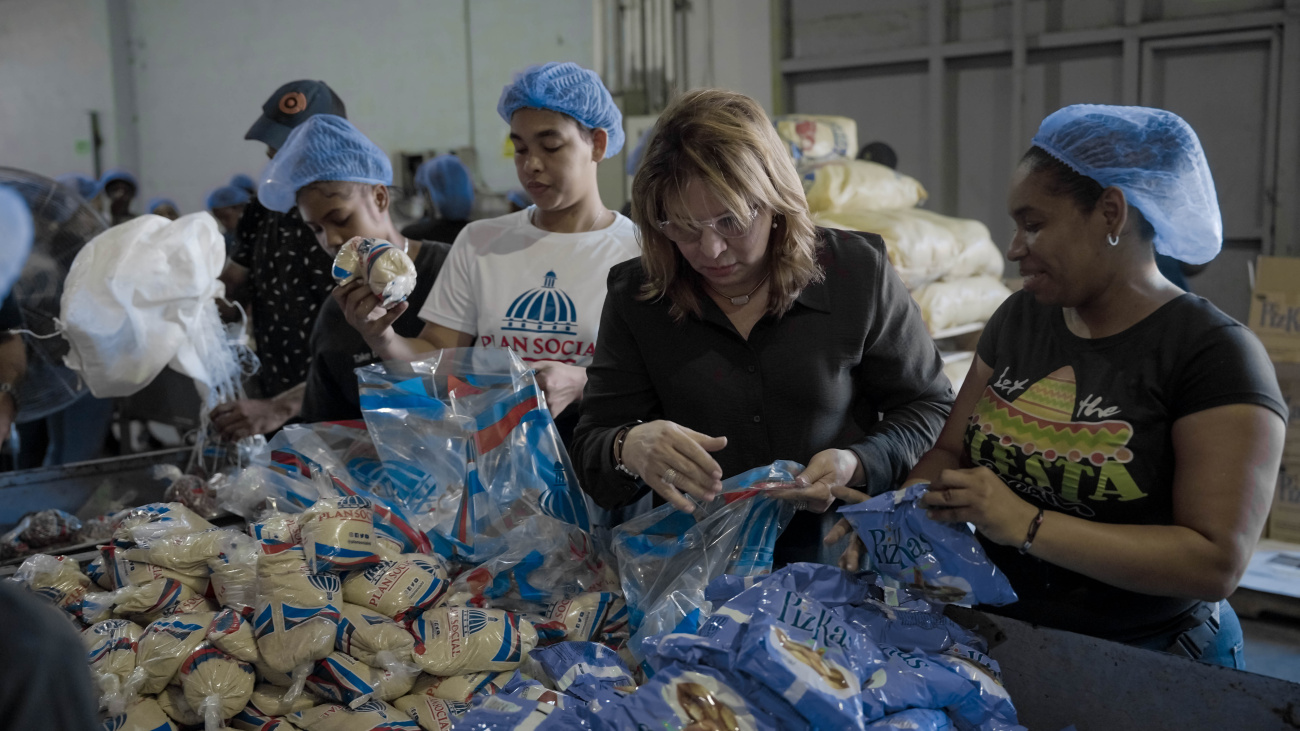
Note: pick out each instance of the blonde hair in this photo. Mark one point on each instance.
(724, 141)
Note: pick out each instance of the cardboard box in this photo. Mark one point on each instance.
(1275, 307)
(1288, 377)
(1284, 520)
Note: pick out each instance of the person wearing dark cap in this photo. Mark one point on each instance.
(165, 207)
(227, 204)
(243, 182)
(280, 271)
(120, 187)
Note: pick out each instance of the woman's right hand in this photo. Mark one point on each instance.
(674, 461)
(363, 312)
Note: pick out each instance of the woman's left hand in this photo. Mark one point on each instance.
(980, 497)
(562, 383)
(824, 479)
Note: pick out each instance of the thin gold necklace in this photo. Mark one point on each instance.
(742, 299)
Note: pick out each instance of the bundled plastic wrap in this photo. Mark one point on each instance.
(57, 578)
(469, 448)
(812, 138)
(921, 249)
(431, 713)
(955, 302)
(234, 574)
(126, 572)
(157, 599)
(158, 520)
(274, 701)
(233, 634)
(165, 644)
(342, 679)
(337, 534)
(458, 640)
(978, 254)
(543, 561)
(938, 561)
(186, 553)
(369, 716)
(144, 715)
(111, 648)
(386, 269)
(394, 681)
(667, 557)
(461, 688)
(373, 638)
(297, 611)
(216, 685)
(192, 491)
(399, 588)
(859, 185)
(172, 701)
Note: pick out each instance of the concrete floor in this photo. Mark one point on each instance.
(1273, 647)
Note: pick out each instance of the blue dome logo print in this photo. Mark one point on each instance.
(543, 310)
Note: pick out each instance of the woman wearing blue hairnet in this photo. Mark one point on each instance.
(531, 281)
(1117, 440)
(449, 196)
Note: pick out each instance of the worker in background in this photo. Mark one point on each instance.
(1117, 440)
(338, 179)
(227, 204)
(84, 186)
(44, 682)
(563, 122)
(120, 188)
(281, 274)
(165, 207)
(517, 199)
(448, 192)
(244, 183)
(880, 153)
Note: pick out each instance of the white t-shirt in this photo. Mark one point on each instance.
(536, 292)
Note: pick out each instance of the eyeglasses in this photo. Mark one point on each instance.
(728, 226)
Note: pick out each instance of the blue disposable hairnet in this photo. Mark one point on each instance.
(519, 197)
(446, 179)
(244, 182)
(156, 203)
(569, 89)
(325, 147)
(227, 195)
(83, 185)
(1155, 158)
(118, 174)
(15, 237)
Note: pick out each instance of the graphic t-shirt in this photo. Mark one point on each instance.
(539, 293)
(1084, 427)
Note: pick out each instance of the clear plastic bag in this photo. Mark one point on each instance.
(470, 448)
(667, 557)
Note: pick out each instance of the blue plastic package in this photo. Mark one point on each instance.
(830, 585)
(913, 719)
(502, 713)
(792, 608)
(990, 702)
(940, 561)
(813, 677)
(916, 625)
(581, 668)
(912, 680)
(689, 650)
(692, 697)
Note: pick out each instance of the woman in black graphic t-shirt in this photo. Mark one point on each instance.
(1117, 440)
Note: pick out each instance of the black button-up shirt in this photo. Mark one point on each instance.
(850, 366)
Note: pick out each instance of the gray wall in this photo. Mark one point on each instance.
(958, 87)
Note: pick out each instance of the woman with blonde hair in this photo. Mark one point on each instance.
(744, 334)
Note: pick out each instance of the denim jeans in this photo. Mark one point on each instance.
(1226, 649)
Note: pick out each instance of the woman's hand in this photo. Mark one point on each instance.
(980, 497)
(244, 418)
(364, 313)
(826, 471)
(561, 382)
(851, 559)
(674, 461)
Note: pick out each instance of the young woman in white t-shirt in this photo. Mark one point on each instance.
(534, 280)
